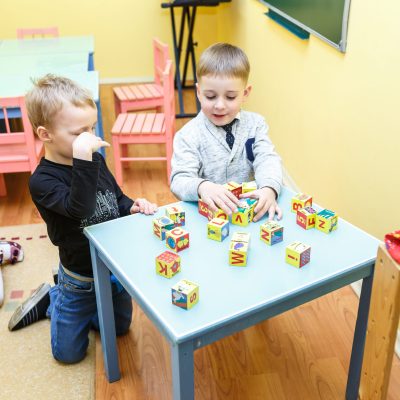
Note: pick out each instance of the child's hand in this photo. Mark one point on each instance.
(86, 144)
(144, 207)
(216, 196)
(266, 203)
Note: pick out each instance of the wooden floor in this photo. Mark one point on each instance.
(301, 354)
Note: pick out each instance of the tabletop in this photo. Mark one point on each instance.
(62, 44)
(225, 292)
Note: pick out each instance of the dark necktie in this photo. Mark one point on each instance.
(230, 139)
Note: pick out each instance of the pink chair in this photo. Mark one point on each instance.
(144, 96)
(19, 151)
(52, 31)
(143, 128)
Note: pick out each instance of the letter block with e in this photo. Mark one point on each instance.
(238, 254)
(298, 254)
(306, 217)
(168, 264)
(300, 201)
(271, 232)
(177, 239)
(218, 229)
(327, 221)
(176, 214)
(185, 294)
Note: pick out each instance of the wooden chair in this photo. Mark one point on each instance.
(23, 33)
(19, 151)
(143, 128)
(144, 96)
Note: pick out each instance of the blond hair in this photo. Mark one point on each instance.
(48, 95)
(223, 59)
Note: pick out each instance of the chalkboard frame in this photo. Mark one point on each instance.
(341, 46)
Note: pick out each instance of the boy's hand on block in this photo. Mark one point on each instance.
(144, 207)
(266, 203)
(86, 144)
(216, 196)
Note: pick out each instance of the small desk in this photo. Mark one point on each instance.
(231, 298)
(60, 45)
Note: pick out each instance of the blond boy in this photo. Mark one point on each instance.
(72, 188)
(224, 143)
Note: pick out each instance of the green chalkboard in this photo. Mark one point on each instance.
(325, 18)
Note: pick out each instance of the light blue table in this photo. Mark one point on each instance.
(60, 45)
(231, 298)
(14, 85)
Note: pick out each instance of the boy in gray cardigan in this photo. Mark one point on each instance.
(224, 143)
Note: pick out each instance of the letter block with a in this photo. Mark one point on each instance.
(185, 294)
(177, 239)
(168, 264)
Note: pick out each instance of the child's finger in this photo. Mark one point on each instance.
(223, 206)
(134, 209)
(279, 212)
(232, 198)
(271, 212)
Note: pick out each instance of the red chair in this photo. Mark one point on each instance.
(22, 33)
(143, 128)
(19, 151)
(144, 96)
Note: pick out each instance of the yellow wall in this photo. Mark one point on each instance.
(123, 29)
(334, 118)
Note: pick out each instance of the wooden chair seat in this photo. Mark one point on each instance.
(139, 92)
(144, 123)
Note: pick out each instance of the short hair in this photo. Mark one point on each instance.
(224, 59)
(48, 95)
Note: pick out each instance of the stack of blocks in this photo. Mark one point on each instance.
(306, 217)
(239, 248)
(327, 221)
(161, 226)
(177, 239)
(185, 294)
(298, 254)
(168, 264)
(218, 229)
(271, 232)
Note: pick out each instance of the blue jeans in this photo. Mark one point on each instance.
(73, 312)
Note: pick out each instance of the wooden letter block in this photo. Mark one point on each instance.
(306, 217)
(300, 201)
(185, 294)
(234, 187)
(298, 254)
(244, 214)
(241, 237)
(177, 214)
(238, 253)
(327, 221)
(218, 229)
(168, 264)
(177, 239)
(206, 212)
(249, 186)
(271, 232)
(162, 225)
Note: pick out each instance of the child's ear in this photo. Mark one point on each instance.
(43, 134)
(197, 90)
(247, 92)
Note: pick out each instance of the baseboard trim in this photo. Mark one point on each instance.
(126, 79)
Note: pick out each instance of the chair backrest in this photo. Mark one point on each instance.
(24, 136)
(52, 31)
(169, 97)
(161, 56)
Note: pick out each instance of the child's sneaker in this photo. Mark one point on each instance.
(32, 309)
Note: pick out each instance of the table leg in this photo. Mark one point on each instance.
(3, 188)
(357, 352)
(99, 126)
(183, 371)
(105, 311)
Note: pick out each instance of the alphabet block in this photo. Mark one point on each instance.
(177, 214)
(218, 229)
(238, 253)
(306, 217)
(206, 212)
(168, 264)
(234, 187)
(300, 201)
(185, 294)
(327, 221)
(271, 232)
(162, 225)
(249, 186)
(245, 212)
(298, 254)
(177, 239)
(241, 237)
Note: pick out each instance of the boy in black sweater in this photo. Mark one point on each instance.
(72, 188)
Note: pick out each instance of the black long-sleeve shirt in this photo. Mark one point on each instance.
(72, 197)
